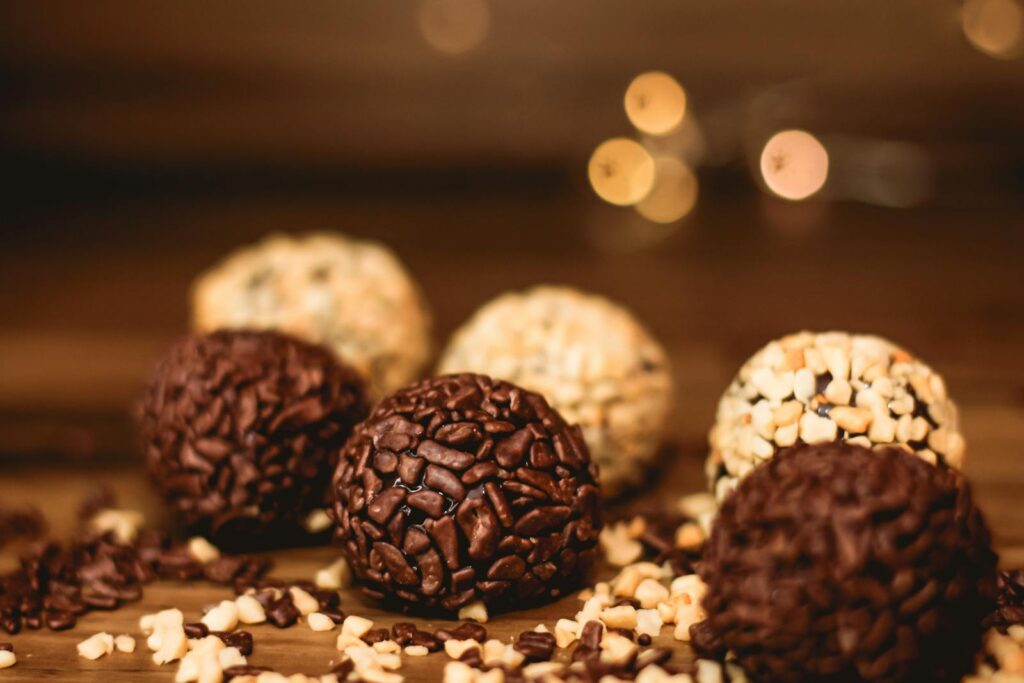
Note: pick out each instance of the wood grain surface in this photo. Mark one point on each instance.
(92, 294)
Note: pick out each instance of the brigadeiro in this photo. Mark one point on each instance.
(462, 488)
(834, 562)
(820, 387)
(353, 296)
(591, 358)
(241, 429)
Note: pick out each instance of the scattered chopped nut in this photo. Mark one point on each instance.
(416, 650)
(202, 550)
(474, 611)
(619, 548)
(250, 611)
(96, 646)
(7, 659)
(319, 621)
(124, 524)
(356, 626)
(317, 521)
(124, 643)
(456, 648)
(334, 576)
(223, 617)
(622, 616)
(304, 602)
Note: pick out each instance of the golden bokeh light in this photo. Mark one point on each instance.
(621, 171)
(996, 27)
(655, 103)
(454, 26)
(794, 164)
(674, 193)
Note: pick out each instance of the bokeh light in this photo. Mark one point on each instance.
(454, 26)
(674, 193)
(794, 164)
(655, 103)
(996, 27)
(621, 171)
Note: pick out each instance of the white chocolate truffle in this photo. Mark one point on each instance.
(351, 295)
(815, 388)
(592, 361)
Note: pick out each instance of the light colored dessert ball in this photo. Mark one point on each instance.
(821, 387)
(353, 296)
(589, 357)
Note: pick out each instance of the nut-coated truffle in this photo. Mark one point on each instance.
(589, 357)
(463, 488)
(353, 296)
(241, 429)
(817, 388)
(834, 562)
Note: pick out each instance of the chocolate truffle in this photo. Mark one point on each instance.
(834, 562)
(353, 296)
(589, 357)
(463, 488)
(818, 388)
(241, 429)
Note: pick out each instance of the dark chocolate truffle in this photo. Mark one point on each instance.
(463, 487)
(240, 429)
(834, 562)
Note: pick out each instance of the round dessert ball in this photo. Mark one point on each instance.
(350, 295)
(463, 488)
(241, 429)
(816, 388)
(589, 357)
(834, 562)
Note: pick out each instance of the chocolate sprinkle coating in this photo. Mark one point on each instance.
(837, 563)
(463, 487)
(240, 429)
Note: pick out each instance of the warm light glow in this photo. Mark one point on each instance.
(454, 26)
(794, 164)
(621, 171)
(995, 27)
(674, 193)
(655, 103)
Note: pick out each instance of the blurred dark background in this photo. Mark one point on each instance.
(142, 141)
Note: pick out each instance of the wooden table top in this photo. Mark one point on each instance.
(81, 323)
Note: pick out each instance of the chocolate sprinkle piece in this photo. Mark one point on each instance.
(240, 430)
(835, 562)
(463, 514)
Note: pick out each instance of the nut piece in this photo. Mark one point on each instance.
(304, 602)
(250, 611)
(7, 659)
(620, 549)
(124, 524)
(474, 611)
(319, 621)
(356, 626)
(223, 617)
(124, 643)
(202, 550)
(317, 520)
(334, 576)
(96, 646)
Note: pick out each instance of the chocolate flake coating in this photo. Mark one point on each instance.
(240, 429)
(837, 563)
(463, 487)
